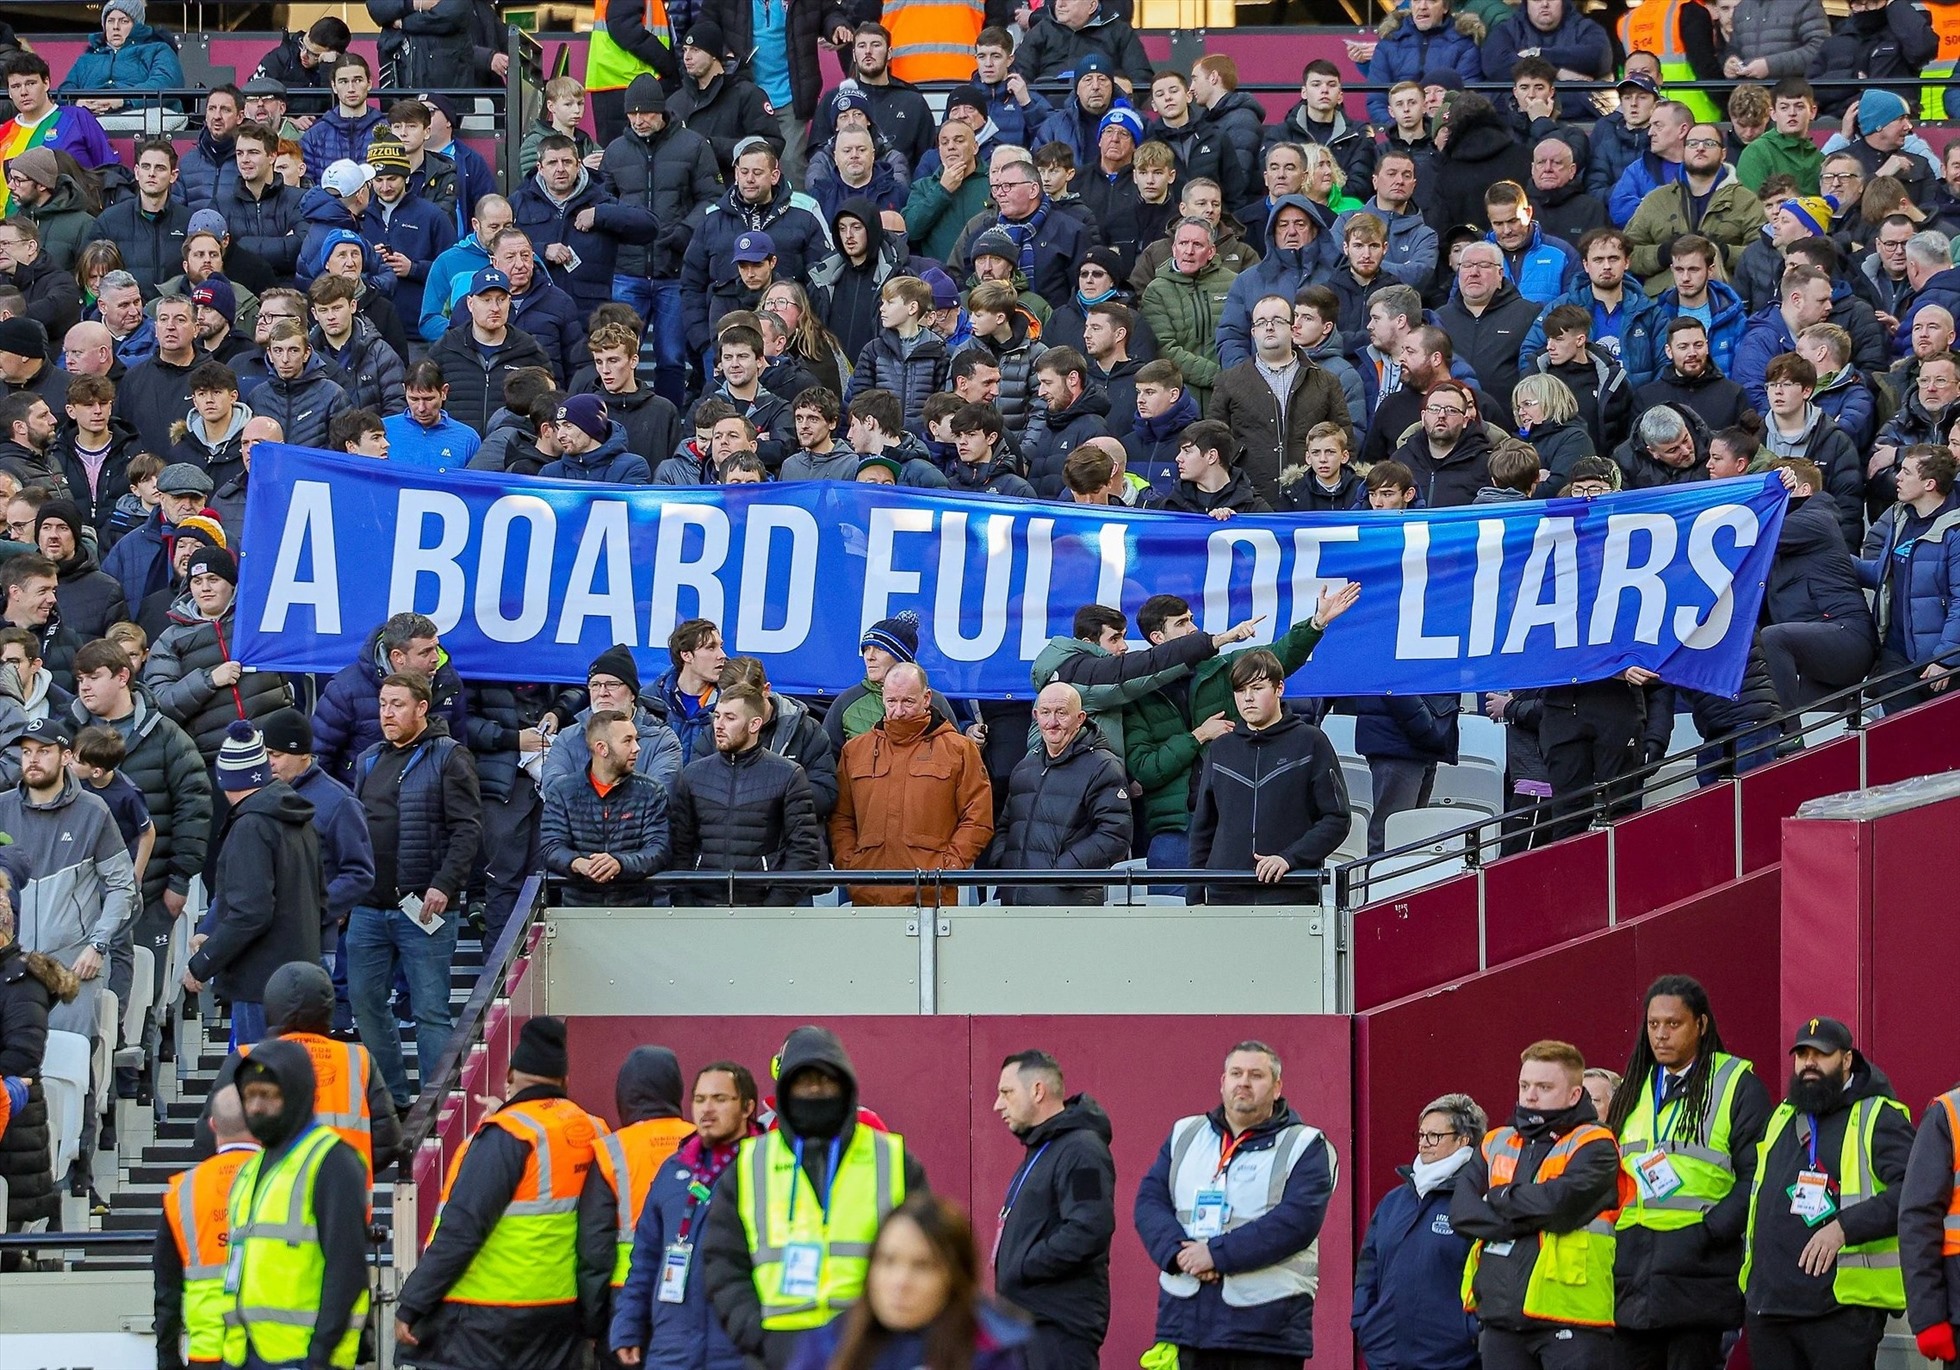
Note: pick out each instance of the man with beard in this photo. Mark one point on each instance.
(1450, 456)
(898, 109)
(1078, 122)
(1690, 378)
(1822, 1264)
(1539, 1198)
(1697, 294)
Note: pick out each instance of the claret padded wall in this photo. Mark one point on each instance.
(933, 1079)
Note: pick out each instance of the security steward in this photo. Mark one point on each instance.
(647, 1098)
(350, 1096)
(1688, 1116)
(789, 1232)
(189, 1257)
(504, 1284)
(295, 1280)
(1929, 1229)
(1821, 1272)
(1541, 1200)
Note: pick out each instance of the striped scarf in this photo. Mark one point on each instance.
(1024, 234)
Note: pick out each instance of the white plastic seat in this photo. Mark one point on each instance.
(1127, 894)
(1471, 786)
(1355, 845)
(1420, 825)
(1478, 739)
(1360, 785)
(1340, 731)
(1820, 727)
(142, 994)
(102, 1049)
(1397, 875)
(64, 1083)
(1686, 736)
(1673, 781)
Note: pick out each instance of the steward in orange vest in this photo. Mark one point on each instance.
(350, 1097)
(647, 1098)
(1540, 1200)
(193, 1243)
(516, 1271)
(1929, 1230)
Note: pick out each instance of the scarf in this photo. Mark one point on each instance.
(1086, 301)
(1430, 1176)
(1023, 234)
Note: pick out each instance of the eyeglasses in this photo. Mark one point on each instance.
(1704, 142)
(1440, 410)
(1897, 245)
(1588, 489)
(1433, 1138)
(1272, 323)
(1007, 185)
(1841, 176)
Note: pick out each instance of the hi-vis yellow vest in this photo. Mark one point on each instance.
(1945, 18)
(608, 66)
(1655, 26)
(275, 1241)
(1699, 1154)
(1868, 1274)
(780, 1209)
(1572, 1278)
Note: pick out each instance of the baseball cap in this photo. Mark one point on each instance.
(49, 731)
(1639, 80)
(346, 177)
(754, 246)
(1822, 1034)
(487, 279)
(208, 221)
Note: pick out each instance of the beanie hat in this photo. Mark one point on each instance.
(968, 97)
(587, 413)
(386, 153)
(1877, 108)
(1449, 78)
(945, 294)
(242, 762)
(995, 242)
(1107, 258)
(24, 337)
(618, 663)
(1094, 61)
(540, 1046)
(212, 561)
(1813, 210)
(217, 293)
(61, 511)
(645, 95)
(38, 165)
(706, 34)
(202, 528)
(898, 635)
(132, 8)
(1124, 118)
(847, 98)
(288, 731)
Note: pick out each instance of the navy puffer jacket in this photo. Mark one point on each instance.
(347, 719)
(628, 823)
(302, 407)
(270, 225)
(1050, 437)
(368, 370)
(884, 365)
(710, 285)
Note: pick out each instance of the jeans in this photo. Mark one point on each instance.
(343, 1007)
(378, 942)
(1399, 785)
(659, 304)
(1168, 851)
(247, 1023)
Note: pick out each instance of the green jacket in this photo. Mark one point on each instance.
(1107, 688)
(1160, 750)
(1732, 221)
(64, 225)
(935, 219)
(1777, 153)
(1492, 12)
(1183, 312)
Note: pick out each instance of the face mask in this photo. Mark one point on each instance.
(817, 1119)
(269, 1130)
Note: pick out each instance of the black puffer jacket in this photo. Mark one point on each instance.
(368, 369)
(1813, 578)
(628, 822)
(1015, 358)
(52, 295)
(270, 225)
(799, 735)
(1481, 151)
(270, 897)
(152, 245)
(476, 383)
(88, 598)
(30, 985)
(1064, 813)
(498, 711)
(1052, 1261)
(674, 175)
(437, 46)
(179, 672)
(304, 406)
(728, 109)
(914, 379)
(164, 764)
(1050, 437)
(748, 812)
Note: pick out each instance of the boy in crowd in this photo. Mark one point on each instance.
(905, 357)
(1596, 381)
(564, 112)
(1328, 480)
(1391, 487)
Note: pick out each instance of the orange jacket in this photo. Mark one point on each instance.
(911, 795)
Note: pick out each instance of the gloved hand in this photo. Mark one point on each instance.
(1936, 1342)
(16, 1091)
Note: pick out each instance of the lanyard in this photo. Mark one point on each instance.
(1226, 1152)
(829, 1179)
(1014, 1190)
(702, 1188)
(1810, 1137)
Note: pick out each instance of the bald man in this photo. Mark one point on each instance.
(1068, 804)
(89, 349)
(229, 498)
(193, 1235)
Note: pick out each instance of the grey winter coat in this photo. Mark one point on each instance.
(569, 754)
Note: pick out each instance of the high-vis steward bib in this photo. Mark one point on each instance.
(1695, 1153)
(1572, 1277)
(628, 1159)
(1216, 1190)
(197, 1206)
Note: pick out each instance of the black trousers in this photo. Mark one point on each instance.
(1675, 1348)
(1594, 745)
(1056, 1349)
(1561, 1348)
(1845, 1340)
(1810, 660)
(1190, 1358)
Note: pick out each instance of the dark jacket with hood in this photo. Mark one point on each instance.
(1064, 813)
(269, 900)
(726, 1262)
(112, 482)
(913, 375)
(88, 599)
(1050, 437)
(1720, 401)
(653, 425)
(178, 673)
(1239, 495)
(1480, 152)
(1813, 578)
(610, 463)
(1407, 1313)
(152, 245)
(340, 1191)
(1640, 470)
(1777, 1287)
(673, 176)
(1052, 48)
(1059, 244)
(53, 297)
(1304, 821)
(1516, 1213)
(995, 478)
(1015, 358)
(846, 295)
(1283, 1327)
(30, 985)
(728, 109)
(1280, 271)
(748, 812)
(347, 718)
(1052, 1260)
(303, 406)
(1454, 478)
(367, 369)
(1490, 342)
(464, 1336)
(476, 382)
(614, 223)
(710, 284)
(164, 764)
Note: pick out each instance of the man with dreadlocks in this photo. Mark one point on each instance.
(1688, 1116)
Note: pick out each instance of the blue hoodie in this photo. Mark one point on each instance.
(1545, 268)
(1637, 326)
(609, 463)
(1282, 271)
(1728, 316)
(458, 263)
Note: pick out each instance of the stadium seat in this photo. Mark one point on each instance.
(1822, 727)
(102, 1049)
(64, 1082)
(1419, 825)
(1398, 875)
(142, 994)
(1360, 785)
(1340, 731)
(1472, 785)
(1686, 735)
(1479, 739)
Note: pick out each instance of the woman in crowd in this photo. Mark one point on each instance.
(1547, 414)
(129, 55)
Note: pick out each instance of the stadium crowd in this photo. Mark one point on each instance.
(1080, 279)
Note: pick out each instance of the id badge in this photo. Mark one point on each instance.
(1654, 1175)
(1209, 1214)
(802, 1267)
(673, 1273)
(235, 1269)
(1810, 1198)
(1497, 1248)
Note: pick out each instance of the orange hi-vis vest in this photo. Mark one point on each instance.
(628, 1159)
(341, 1071)
(1655, 26)
(932, 40)
(1950, 1243)
(529, 1259)
(197, 1206)
(1571, 1280)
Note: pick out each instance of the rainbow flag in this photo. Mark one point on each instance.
(16, 138)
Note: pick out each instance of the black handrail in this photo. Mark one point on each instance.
(76, 1241)
(1612, 800)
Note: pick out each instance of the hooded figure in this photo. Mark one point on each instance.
(30, 985)
(845, 293)
(818, 1119)
(647, 1101)
(340, 1194)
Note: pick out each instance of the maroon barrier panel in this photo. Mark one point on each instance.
(1418, 939)
(934, 1080)
(1868, 933)
(1538, 899)
(1467, 1036)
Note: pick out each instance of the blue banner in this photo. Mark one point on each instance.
(530, 579)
